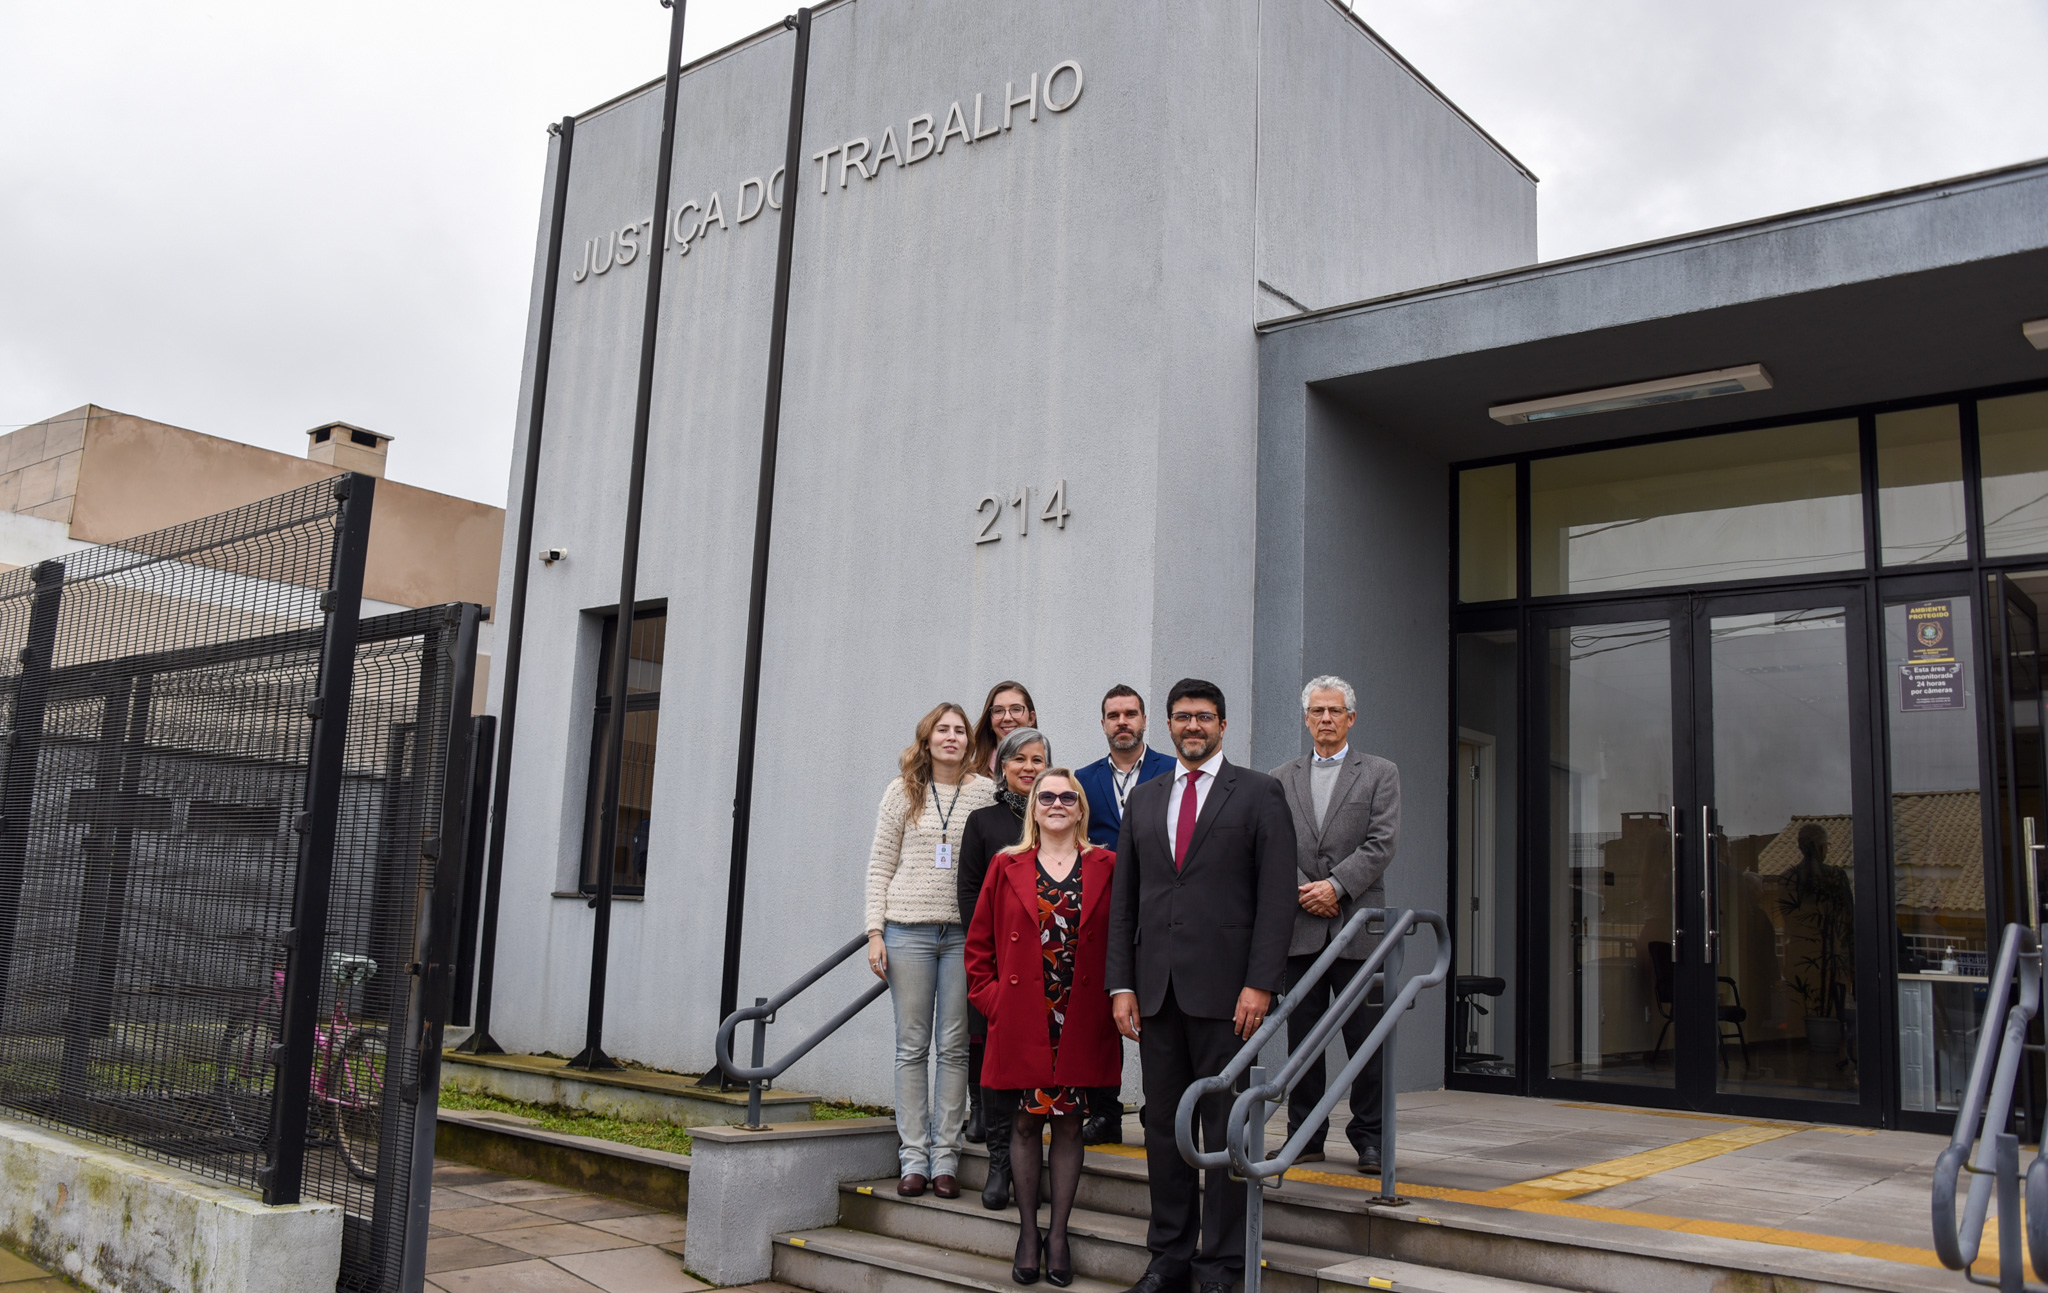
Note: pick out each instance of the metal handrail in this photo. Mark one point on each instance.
(758, 1075)
(1986, 1105)
(1245, 1129)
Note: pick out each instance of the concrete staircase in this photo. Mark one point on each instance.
(887, 1244)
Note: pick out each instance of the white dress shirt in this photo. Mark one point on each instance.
(1180, 785)
(1211, 767)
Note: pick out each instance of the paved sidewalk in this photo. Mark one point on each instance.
(19, 1275)
(494, 1233)
(1823, 1182)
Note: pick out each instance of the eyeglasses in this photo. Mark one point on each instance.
(1328, 711)
(1064, 798)
(1205, 718)
(1009, 711)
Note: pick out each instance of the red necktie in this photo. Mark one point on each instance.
(1184, 828)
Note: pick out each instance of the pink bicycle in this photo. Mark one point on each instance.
(348, 1070)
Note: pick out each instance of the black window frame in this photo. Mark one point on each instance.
(637, 702)
(1964, 576)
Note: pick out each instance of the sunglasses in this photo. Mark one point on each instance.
(1065, 798)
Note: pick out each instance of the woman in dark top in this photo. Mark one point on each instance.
(1009, 706)
(1036, 959)
(1021, 756)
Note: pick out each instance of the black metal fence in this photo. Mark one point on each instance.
(231, 853)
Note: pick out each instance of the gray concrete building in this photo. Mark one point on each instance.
(1133, 342)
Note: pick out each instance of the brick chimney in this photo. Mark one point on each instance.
(348, 448)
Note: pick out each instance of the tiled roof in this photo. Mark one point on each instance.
(1938, 850)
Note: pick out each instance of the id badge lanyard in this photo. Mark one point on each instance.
(943, 856)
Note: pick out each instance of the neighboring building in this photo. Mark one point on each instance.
(94, 476)
(1158, 382)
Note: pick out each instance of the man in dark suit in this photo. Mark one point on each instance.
(1347, 819)
(1130, 763)
(1200, 918)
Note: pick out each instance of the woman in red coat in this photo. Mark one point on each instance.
(1035, 964)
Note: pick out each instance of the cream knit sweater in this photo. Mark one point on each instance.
(905, 883)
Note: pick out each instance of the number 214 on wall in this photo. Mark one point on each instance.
(989, 512)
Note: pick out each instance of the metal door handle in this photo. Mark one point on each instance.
(1676, 932)
(2033, 881)
(1707, 883)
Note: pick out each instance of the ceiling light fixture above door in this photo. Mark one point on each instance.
(1663, 390)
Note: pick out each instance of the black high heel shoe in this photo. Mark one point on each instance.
(1022, 1276)
(1056, 1278)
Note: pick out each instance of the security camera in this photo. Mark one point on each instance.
(549, 556)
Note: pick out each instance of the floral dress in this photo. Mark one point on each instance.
(1059, 926)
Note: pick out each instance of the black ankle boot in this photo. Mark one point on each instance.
(995, 1195)
(977, 1125)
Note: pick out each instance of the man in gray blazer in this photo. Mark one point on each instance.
(1347, 818)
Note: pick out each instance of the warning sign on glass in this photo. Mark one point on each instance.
(1930, 630)
(1932, 677)
(1936, 685)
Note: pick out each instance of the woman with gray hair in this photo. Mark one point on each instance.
(1021, 755)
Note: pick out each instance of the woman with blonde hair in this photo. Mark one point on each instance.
(1036, 959)
(915, 938)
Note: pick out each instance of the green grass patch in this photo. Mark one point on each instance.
(576, 1122)
(823, 1110)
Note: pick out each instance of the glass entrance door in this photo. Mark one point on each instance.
(2017, 727)
(1709, 906)
(2021, 771)
(1783, 803)
(1611, 690)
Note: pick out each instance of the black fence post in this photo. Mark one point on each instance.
(435, 981)
(483, 741)
(128, 797)
(24, 754)
(84, 1019)
(306, 939)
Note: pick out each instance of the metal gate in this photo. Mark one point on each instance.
(231, 840)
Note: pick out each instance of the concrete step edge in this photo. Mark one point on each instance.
(679, 1086)
(925, 1261)
(1380, 1274)
(523, 1129)
(1102, 1227)
(651, 1177)
(1347, 1272)
(1738, 1258)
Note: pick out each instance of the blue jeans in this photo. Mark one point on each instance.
(928, 985)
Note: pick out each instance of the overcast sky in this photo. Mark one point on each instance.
(249, 217)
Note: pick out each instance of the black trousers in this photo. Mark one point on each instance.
(995, 1110)
(1365, 1092)
(1103, 1102)
(1176, 1049)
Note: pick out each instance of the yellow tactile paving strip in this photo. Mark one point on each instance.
(1551, 1195)
(1634, 1167)
(1634, 1112)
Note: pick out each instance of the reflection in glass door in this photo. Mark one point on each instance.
(1937, 845)
(1612, 863)
(1780, 811)
(1707, 820)
(2017, 728)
